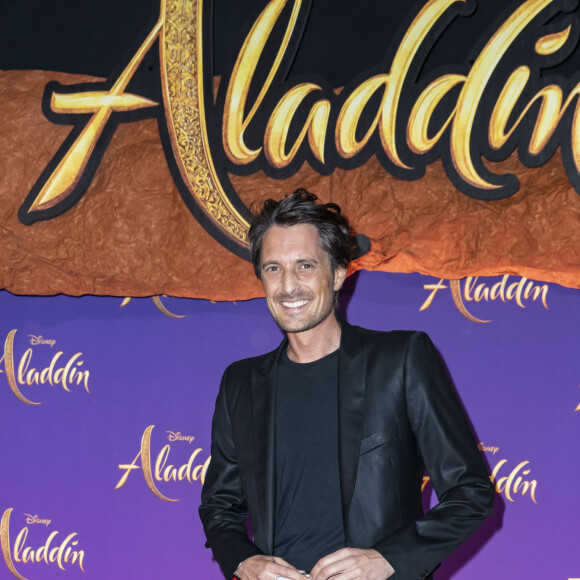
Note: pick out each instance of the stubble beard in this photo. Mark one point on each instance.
(300, 325)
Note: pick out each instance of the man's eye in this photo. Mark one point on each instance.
(306, 266)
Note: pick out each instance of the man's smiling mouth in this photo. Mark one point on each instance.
(294, 304)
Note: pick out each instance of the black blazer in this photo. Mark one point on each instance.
(397, 415)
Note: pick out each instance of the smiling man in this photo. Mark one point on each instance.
(299, 282)
(323, 442)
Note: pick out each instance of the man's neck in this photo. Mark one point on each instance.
(316, 343)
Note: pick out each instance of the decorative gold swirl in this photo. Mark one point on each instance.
(160, 306)
(181, 51)
(552, 42)
(455, 286)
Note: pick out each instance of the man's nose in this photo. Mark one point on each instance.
(289, 282)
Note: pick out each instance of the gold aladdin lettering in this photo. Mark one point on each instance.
(67, 375)
(519, 292)
(511, 485)
(163, 472)
(50, 552)
(329, 126)
(460, 124)
(515, 482)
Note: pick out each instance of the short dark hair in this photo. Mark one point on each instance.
(300, 207)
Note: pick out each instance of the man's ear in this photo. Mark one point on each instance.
(339, 277)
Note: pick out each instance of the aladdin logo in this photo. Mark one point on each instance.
(516, 481)
(162, 471)
(471, 290)
(66, 373)
(495, 102)
(510, 484)
(50, 552)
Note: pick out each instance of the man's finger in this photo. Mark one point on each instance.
(289, 568)
(261, 567)
(327, 561)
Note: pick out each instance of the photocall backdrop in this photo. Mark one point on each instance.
(105, 413)
(448, 132)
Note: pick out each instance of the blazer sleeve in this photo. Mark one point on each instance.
(223, 509)
(452, 460)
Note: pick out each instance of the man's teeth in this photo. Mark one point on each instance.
(295, 304)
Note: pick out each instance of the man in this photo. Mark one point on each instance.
(324, 441)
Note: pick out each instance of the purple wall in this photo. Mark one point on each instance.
(518, 377)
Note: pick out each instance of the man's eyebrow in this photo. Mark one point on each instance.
(309, 260)
(298, 261)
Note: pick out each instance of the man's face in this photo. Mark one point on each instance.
(297, 277)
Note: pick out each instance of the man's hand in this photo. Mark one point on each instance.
(267, 568)
(351, 563)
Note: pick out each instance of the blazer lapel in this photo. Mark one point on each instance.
(351, 397)
(264, 411)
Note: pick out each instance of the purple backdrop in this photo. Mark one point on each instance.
(90, 474)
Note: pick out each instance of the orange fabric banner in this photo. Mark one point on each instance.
(132, 235)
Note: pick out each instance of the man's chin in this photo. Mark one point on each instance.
(295, 326)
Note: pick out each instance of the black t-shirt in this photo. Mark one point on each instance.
(308, 519)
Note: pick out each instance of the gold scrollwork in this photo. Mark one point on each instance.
(181, 52)
(158, 303)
